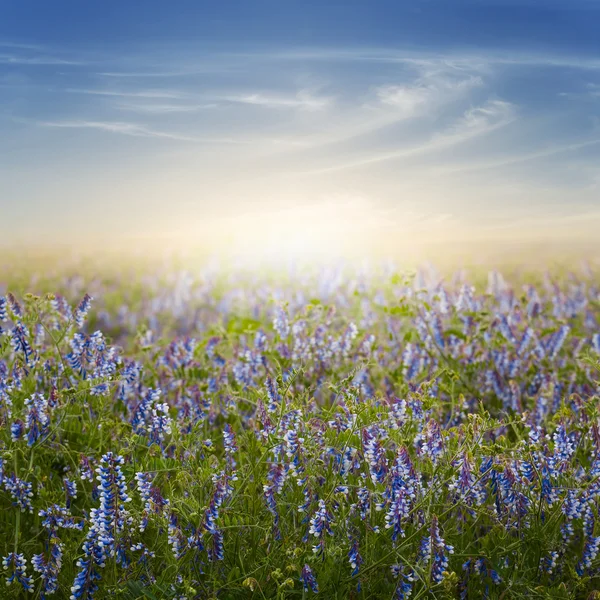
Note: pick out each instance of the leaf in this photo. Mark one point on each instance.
(140, 590)
(455, 332)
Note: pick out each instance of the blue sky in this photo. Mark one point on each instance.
(299, 120)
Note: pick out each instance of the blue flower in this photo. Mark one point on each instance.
(70, 490)
(37, 418)
(434, 550)
(399, 510)
(272, 394)
(308, 580)
(354, 558)
(280, 323)
(374, 454)
(320, 524)
(82, 310)
(16, 430)
(3, 312)
(49, 569)
(21, 491)
(55, 517)
(431, 442)
(16, 565)
(15, 307)
(404, 586)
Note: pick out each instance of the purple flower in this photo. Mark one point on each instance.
(398, 511)
(354, 558)
(432, 443)
(272, 394)
(229, 445)
(374, 454)
(280, 323)
(16, 565)
(37, 418)
(308, 580)
(15, 307)
(217, 550)
(563, 444)
(405, 582)
(49, 568)
(84, 586)
(20, 491)
(20, 343)
(468, 489)
(175, 538)
(550, 561)
(16, 430)
(70, 490)
(55, 517)
(590, 551)
(320, 524)
(82, 310)
(525, 341)
(434, 551)
(3, 312)
(557, 340)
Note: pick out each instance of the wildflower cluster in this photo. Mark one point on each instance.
(340, 433)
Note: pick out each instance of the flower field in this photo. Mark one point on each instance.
(350, 433)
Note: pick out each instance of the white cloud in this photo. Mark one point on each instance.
(437, 85)
(158, 94)
(474, 123)
(303, 100)
(408, 100)
(20, 46)
(12, 59)
(481, 119)
(135, 130)
(386, 55)
(164, 109)
(517, 158)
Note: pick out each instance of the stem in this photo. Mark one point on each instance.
(18, 519)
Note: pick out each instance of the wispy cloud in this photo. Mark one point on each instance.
(20, 45)
(474, 123)
(135, 130)
(158, 94)
(165, 109)
(214, 66)
(432, 88)
(517, 158)
(302, 100)
(13, 59)
(483, 60)
(143, 74)
(482, 119)
(594, 90)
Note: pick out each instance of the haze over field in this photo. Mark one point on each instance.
(299, 129)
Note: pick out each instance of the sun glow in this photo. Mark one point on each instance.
(329, 230)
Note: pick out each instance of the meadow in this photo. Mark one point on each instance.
(344, 432)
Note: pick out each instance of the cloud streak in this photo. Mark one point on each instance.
(474, 123)
(13, 59)
(302, 100)
(158, 94)
(517, 159)
(165, 109)
(135, 130)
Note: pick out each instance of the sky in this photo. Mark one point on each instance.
(299, 126)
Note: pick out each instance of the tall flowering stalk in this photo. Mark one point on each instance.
(15, 566)
(434, 552)
(106, 522)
